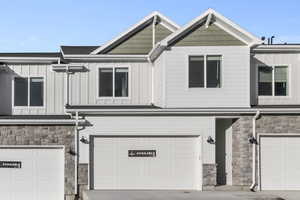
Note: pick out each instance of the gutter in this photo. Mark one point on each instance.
(187, 111)
(107, 57)
(38, 122)
(254, 183)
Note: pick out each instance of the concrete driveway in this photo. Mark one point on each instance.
(187, 195)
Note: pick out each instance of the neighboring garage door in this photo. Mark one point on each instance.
(37, 173)
(173, 163)
(280, 163)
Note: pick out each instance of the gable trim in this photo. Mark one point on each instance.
(172, 26)
(219, 18)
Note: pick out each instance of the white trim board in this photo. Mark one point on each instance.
(172, 26)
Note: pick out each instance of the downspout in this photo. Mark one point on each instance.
(254, 183)
(76, 137)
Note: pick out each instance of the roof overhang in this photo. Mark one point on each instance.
(189, 111)
(46, 60)
(282, 48)
(71, 68)
(106, 57)
(41, 122)
(172, 26)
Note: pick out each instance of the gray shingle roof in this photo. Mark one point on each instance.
(78, 50)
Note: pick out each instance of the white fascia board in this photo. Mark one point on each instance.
(132, 28)
(106, 57)
(277, 48)
(167, 111)
(40, 121)
(217, 15)
(29, 59)
(237, 27)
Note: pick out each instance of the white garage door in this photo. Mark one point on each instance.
(32, 173)
(146, 163)
(280, 163)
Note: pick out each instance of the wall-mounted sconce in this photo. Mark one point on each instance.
(252, 140)
(84, 140)
(72, 152)
(210, 140)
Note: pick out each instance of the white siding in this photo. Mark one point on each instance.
(156, 125)
(293, 62)
(84, 85)
(54, 89)
(159, 84)
(235, 78)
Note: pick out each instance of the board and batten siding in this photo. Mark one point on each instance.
(84, 85)
(151, 126)
(235, 78)
(54, 90)
(158, 81)
(292, 60)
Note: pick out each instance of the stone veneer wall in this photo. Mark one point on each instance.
(242, 150)
(45, 135)
(83, 178)
(209, 175)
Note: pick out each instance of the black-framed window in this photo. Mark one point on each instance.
(273, 81)
(205, 71)
(113, 82)
(29, 91)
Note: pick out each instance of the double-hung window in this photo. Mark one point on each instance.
(205, 71)
(113, 82)
(28, 91)
(273, 81)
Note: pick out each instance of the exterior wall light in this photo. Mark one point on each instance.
(210, 140)
(84, 140)
(252, 140)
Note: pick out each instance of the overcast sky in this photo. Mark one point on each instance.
(44, 25)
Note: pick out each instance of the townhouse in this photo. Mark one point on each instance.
(160, 107)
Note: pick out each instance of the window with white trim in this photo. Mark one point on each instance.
(273, 81)
(205, 71)
(29, 91)
(113, 82)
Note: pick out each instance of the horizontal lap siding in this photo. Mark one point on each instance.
(54, 93)
(141, 42)
(211, 36)
(290, 59)
(84, 85)
(234, 91)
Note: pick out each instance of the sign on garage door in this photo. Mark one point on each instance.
(146, 163)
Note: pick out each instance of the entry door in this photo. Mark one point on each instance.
(32, 174)
(173, 164)
(280, 163)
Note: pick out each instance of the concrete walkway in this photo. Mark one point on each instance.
(188, 195)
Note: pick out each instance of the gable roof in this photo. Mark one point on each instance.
(218, 19)
(77, 50)
(206, 19)
(172, 26)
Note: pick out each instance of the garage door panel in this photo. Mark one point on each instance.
(41, 175)
(146, 172)
(280, 168)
